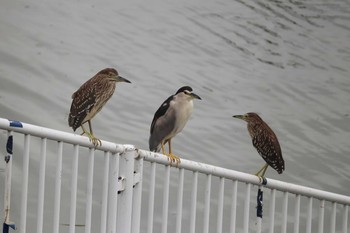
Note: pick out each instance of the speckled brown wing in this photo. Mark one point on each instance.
(267, 145)
(83, 101)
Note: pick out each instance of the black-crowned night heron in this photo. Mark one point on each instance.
(169, 120)
(265, 141)
(89, 99)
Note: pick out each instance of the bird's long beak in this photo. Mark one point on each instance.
(195, 96)
(121, 79)
(242, 117)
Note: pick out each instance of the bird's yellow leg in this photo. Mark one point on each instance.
(90, 127)
(173, 157)
(95, 141)
(262, 171)
(84, 130)
(265, 168)
(163, 150)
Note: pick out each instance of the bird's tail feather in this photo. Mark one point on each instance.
(154, 145)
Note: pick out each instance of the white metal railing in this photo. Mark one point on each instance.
(60, 178)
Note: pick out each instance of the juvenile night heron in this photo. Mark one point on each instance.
(169, 120)
(265, 141)
(89, 99)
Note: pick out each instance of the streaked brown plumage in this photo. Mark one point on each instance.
(89, 99)
(265, 141)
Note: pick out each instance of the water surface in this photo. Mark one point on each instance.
(287, 60)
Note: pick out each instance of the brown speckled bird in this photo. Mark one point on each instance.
(265, 141)
(89, 99)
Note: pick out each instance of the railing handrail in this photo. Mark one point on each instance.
(57, 135)
(248, 178)
(72, 138)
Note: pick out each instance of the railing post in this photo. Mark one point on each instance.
(272, 210)
(233, 207)
(73, 194)
(125, 197)
(333, 217)
(89, 190)
(285, 212)
(297, 213)
(193, 202)
(345, 219)
(321, 216)
(136, 213)
(165, 199)
(180, 200)
(246, 209)
(220, 205)
(23, 223)
(112, 193)
(104, 204)
(151, 198)
(41, 189)
(207, 205)
(8, 179)
(58, 181)
(309, 216)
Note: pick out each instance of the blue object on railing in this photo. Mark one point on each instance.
(16, 124)
(9, 147)
(7, 224)
(6, 227)
(259, 207)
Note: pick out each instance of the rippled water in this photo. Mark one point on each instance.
(287, 60)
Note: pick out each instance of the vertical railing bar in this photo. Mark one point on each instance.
(345, 219)
(151, 198)
(23, 223)
(220, 205)
(58, 181)
(112, 193)
(180, 200)
(246, 209)
(165, 199)
(309, 216)
(272, 210)
(8, 179)
(333, 217)
(259, 201)
(41, 187)
(73, 197)
(297, 213)
(89, 190)
(233, 207)
(125, 198)
(103, 226)
(284, 212)
(194, 202)
(136, 219)
(321, 216)
(207, 204)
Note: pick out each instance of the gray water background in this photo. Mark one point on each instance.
(287, 60)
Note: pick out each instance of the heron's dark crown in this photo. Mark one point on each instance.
(184, 88)
(252, 116)
(108, 71)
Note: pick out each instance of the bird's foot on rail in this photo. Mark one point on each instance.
(262, 179)
(95, 141)
(173, 158)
